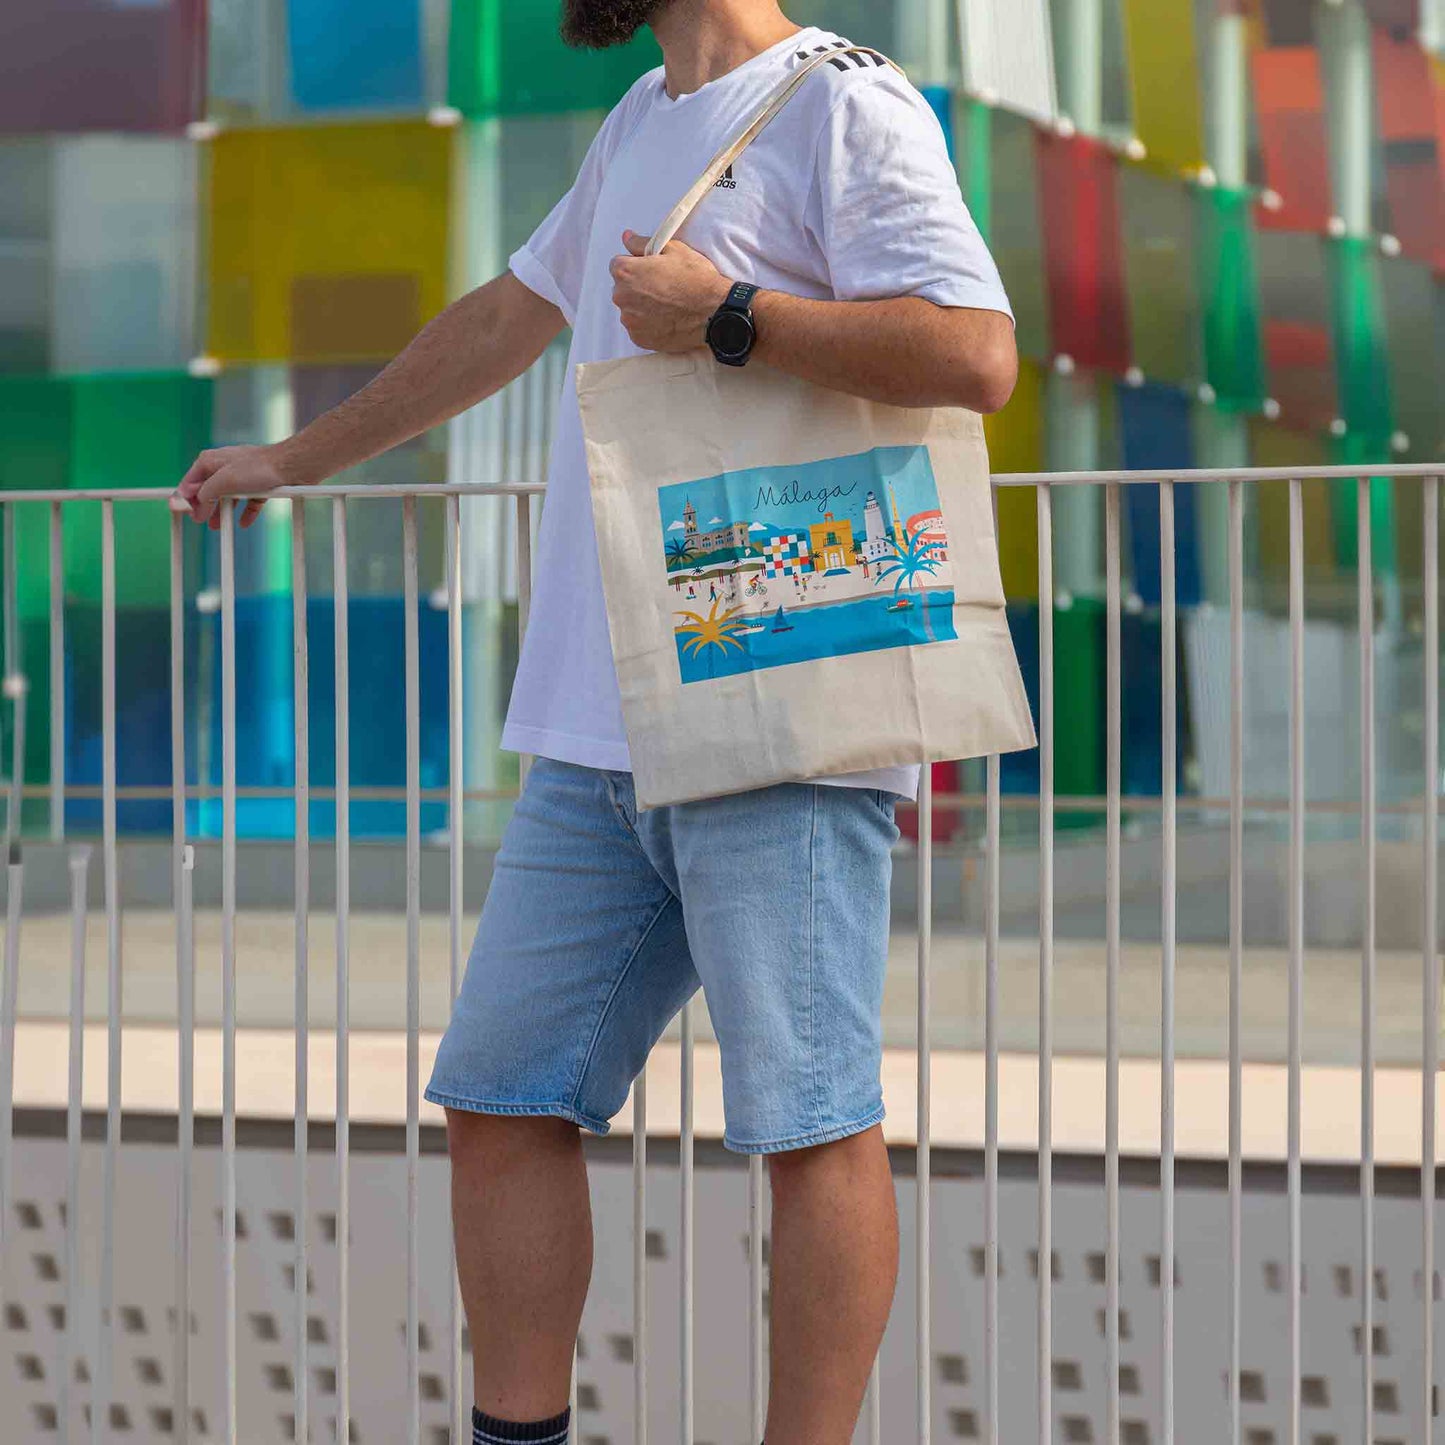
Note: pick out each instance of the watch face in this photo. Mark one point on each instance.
(731, 334)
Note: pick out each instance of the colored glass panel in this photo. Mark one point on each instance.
(1296, 309)
(1293, 138)
(349, 53)
(1158, 218)
(124, 254)
(1006, 54)
(1414, 149)
(973, 158)
(1015, 230)
(508, 58)
(105, 431)
(1229, 292)
(327, 243)
(1088, 310)
(1155, 429)
(1016, 444)
(1414, 302)
(1272, 445)
(93, 65)
(1164, 74)
(25, 211)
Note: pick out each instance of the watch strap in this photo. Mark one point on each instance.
(740, 298)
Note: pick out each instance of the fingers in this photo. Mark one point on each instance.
(252, 511)
(198, 472)
(636, 245)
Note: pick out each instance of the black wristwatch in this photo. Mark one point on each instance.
(731, 333)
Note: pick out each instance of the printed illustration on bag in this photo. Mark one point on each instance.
(778, 565)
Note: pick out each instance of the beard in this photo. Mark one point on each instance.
(598, 24)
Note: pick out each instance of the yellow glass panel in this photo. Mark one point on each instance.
(1016, 444)
(1164, 78)
(1272, 445)
(327, 242)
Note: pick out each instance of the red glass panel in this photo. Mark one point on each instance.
(1414, 169)
(72, 65)
(1083, 253)
(1289, 99)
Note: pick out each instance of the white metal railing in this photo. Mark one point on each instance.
(450, 497)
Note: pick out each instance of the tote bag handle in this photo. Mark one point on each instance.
(730, 152)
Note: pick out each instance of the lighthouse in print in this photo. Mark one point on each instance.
(875, 544)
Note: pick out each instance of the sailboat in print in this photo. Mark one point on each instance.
(781, 623)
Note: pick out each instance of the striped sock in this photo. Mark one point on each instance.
(488, 1430)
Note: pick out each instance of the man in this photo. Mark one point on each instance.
(601, 922)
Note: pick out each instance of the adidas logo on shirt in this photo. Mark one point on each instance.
(855, 61)
(726, 181)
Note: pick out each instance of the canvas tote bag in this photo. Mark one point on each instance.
(799, 583)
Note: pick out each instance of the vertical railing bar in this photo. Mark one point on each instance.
(456, 838)
(1431, 940)
(228, 962)
(687, 1164)
(924, 1182)
(990, 1105)
(101, 1392)
(524, 583)
(639, 1258)
(1169, 934)
(57, 672)
(1296, 941)
(755, 1293)
(413, 971)
(9, 1005)
(1236, 953)
(1368, 862)
(186, 1127)
(15, 686)
(185, 956)
(74, 1138)
(341, 602)
(1046, 962)
(301, 687)
(1112, 885)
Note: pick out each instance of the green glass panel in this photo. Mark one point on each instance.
(1079, 664)
(1160, 275)
(507, 58)
(973, 140)
(1015, 233)
(1414, 302)
(1362, 365)
(1229, 291)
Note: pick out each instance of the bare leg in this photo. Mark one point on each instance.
(834, 1268)
(523, 1222)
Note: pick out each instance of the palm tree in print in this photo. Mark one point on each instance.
(907, 564)
(678, 551)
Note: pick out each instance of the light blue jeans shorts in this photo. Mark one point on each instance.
(602, 922)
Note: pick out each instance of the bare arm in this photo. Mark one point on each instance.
(471, 350)
(906, 352)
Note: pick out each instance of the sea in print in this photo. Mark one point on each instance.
(779, 565)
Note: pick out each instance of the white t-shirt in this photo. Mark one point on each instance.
(848, 195)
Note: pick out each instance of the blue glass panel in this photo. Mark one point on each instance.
(350, 53)
(1155, 426)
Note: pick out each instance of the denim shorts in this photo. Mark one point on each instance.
(602, 922)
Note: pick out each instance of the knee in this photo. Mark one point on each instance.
(498, 1140)
(827, 1165)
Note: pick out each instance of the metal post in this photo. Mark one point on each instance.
(1297, 941)
(1170, 624)
(413, 972)
(228, 963)
(301, 702)
(74, 1138)
(1368, 863)
(341, 595)
(1046, 965)
(1112, 951)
